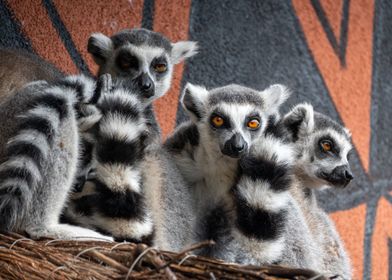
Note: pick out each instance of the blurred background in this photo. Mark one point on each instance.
(335, 54)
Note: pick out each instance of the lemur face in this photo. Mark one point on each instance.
(230, 118)
(142, 56)
(323, 147)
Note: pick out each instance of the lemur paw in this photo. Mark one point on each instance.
(65, 231)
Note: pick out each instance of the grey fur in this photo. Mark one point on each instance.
(196, 148)
(144, 47)
(310, 127)
(32, 200)
(161, 185)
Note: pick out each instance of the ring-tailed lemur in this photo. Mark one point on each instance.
(224, 122)
(322, 147)
(39, 148)
(143, 56)
(251, 215)
(146, 58)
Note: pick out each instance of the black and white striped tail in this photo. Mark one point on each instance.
(261, 198)
(27, 152)
(116, 204)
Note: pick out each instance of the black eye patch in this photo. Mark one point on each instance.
(334, 148)
(127, 61)
(159, 60)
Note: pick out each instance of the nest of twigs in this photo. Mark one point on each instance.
(23, 258)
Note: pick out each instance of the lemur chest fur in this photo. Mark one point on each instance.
(217, 175)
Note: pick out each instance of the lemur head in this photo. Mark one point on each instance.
(144, 56)
(322, 145)
(229, 118)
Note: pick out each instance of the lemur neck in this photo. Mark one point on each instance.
(307, 186)
(219, 171)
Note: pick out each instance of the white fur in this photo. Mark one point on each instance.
(22, 162)
(182, 50)
(260, 252)
(260, 195)
(274, 96)
(118, 127)
(32, 137)
(119, 177)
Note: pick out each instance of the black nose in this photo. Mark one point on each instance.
(340, 176)
(349, 176)
(235, 146)
(146, 85)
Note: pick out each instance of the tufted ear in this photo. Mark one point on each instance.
(194, 100)
(182, 50)
(274, 96)
(299, 122)
(100, 46)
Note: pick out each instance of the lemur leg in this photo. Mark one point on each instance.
(113, 201)
(41, 160)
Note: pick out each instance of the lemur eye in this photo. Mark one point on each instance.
(160, 67)
(124, 65)
(217, 121)
(326, 145)
(253, 124)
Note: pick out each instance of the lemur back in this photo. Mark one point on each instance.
(18, 68)
(322, 147)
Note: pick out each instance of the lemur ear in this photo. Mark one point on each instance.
(193, 100)
(100, 46)
(299, 121)
(182, 50)
(274, 96)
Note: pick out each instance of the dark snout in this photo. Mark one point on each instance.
(340, 176)
(235, 146)
(146, 85)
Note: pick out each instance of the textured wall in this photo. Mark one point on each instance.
(336, 54)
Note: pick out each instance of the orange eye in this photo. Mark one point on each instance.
(253, 124)
(217, 121)
(326, 145)
(160, 67)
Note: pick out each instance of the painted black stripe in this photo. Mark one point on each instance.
(148, 14)
(126, 109)
(54, 102)
(17, 173)
(11, 35)
(26, 149)
(65, 36)
(341, 46)
(278, 175)
(259, 223)
(127, 204)
(40, 124)
(116, 151)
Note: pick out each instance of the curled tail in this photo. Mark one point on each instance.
(261, 198)
(113, 201)
(28, 150)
